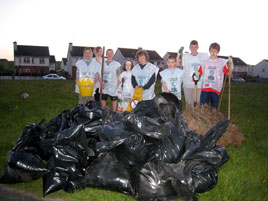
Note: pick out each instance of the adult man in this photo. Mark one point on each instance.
(85, 70)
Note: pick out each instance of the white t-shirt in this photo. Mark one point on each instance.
(142, 76)
(173, 79)
(84, 71)
(110, 78)
(96, 65)
(191, 64)
(212, 72)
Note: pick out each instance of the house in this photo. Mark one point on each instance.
(123, 54)
(174, 54)
(241, 69)
(261, 69)
(63, 64)
(52, 63)
(73, 55)
(31, 59)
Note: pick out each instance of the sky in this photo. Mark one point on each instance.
(240, 27)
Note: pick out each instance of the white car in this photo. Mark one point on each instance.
(53, 77)
(239, 79)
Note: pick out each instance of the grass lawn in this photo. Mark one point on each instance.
(244, 177)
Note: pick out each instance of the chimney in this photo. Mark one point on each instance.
(15, 46)
(70, 47)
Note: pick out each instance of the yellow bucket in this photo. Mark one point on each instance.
(86, 86)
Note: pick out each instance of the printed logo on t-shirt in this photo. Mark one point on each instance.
(195, 66)
(211, 75)
(173, 83)
(105, 78)
(141, 80)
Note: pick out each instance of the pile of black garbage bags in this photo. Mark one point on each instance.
(149, 153)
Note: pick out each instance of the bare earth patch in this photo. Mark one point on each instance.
(201, 118)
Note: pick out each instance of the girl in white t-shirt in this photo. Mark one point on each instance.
(125, 89)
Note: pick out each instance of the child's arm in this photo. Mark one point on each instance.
(178, 60)
(164, 84)
(118, 75)
(77, 74)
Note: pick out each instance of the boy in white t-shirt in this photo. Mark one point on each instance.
(172, 78)
(212, 71)
(191, 63)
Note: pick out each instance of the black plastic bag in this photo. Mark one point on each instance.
(23, 166)
(147, 126)
(24, 161)
(71, 157)
(106, 172)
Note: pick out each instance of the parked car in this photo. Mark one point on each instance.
(239, 79)
(53, 77)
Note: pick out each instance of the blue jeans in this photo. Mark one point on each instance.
(209, 98)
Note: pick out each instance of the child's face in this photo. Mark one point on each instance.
(171, 63)
(142, 59)
(99, 53)
(110, 55)
(194, 49)
(213, 52)
(128, 66)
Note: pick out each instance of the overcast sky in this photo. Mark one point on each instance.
(240, 27)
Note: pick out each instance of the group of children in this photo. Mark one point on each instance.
(115, 84)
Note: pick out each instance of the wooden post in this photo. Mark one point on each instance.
(231, 67)
(222, 90)
(102, 70)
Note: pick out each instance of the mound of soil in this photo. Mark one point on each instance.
(201, 118)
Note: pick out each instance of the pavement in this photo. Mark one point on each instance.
(11, 194)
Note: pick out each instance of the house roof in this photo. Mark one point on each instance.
(131, 53)
(64, 61)
(237, 61)
(174, 54)
(52, 59)
(77, 51)
(34, 51)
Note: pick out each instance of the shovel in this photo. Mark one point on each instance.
(196, 77)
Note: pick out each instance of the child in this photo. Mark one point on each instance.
(110, 79)
(144, 75)
(172, 78)
(212, 71)
(96, 64)
(191, 63)
(126, 90)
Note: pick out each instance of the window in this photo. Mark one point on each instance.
(26, 60)
(42, 60)
(32, 60)
(20, 60)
